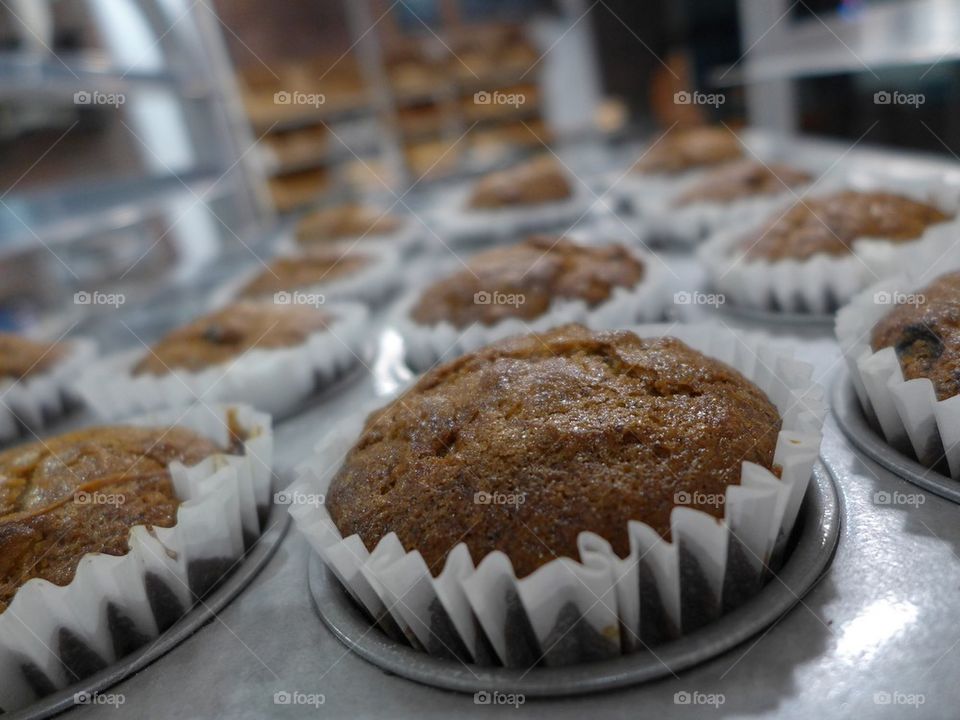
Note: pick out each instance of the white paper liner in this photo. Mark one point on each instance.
(569, 611)
(424, 345)
(43, 396)
(456, 223)
(221, 496)
(823, 282)
(652, 199)
(907, 412)
(403, 241)
(272, 380)
(371, 284)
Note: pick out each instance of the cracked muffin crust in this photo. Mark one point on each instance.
(830, 224)
(524, 444)
(20, 357)
(682, 150)
(926, 336)
(229, 333)
(534, 273)
(537, 181)
(81, 493)
(302, 271)
(743, 179)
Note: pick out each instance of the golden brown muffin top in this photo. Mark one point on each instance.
(229, 333)
(926, 335)
(522, 281)
(302, 271)
(343, 222)
(81, 492)
(522, 445)
(683, 150)
(20, 357)
(830, 225)
(534, 182)
(743, 179)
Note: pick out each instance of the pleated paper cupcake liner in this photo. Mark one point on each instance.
(457, 224)
(370, 285)
(907, 412)
(52, 636)
(822, 283)
(42, 397)
(602, 606)
(274, 380)
(424, 345)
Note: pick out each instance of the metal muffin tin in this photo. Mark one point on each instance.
(277, 523)
(853, 422)
(815, 542)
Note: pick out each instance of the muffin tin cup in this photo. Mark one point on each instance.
(456, 224)
(854, 423)
(425, 345)
(55, 636)
(822, 283)
(370, 285)
(907, 412)
(603, 606)
(817, 534)
(39, 399)
(272, 380)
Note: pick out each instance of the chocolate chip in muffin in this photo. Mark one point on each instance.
(522, 445)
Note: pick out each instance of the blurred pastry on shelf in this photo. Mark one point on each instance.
(534, 182)
(743, 179)
(680, 150)
(296, 189)
(306, 270)
(344, 222)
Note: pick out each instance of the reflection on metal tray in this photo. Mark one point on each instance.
(276, 528)
(850, 418)
(816, 540)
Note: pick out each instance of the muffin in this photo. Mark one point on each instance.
(303, 271)
(831, 224)
(536, 272)
(20, 357)
(926, 335)
(345, 222)
(507, 490)
(592, 430)
(682, 150)
(535, 182)
(742, 179)
(47, 518)
(227, 334)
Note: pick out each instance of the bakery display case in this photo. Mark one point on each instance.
(462, 357)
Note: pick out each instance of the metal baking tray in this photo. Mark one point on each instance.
(850, 418)
(277, 523)
(816, 540)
